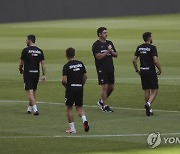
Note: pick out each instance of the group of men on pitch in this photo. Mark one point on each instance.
(74, 74)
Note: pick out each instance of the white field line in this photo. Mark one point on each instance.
(85, 136)
(91, 79)
(91, 106)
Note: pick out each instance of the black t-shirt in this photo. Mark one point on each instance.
(32, 56)
(146, 52)
(74, 70)
(106, 64)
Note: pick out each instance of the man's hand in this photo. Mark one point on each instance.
(21, 71)
(159, 73)
(138, 72)
(110, 49)
(43, 79)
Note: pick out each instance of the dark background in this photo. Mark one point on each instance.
(33, 10)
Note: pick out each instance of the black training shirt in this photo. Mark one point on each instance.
(106, 64)
(74, 70)
(146, 52)
(32, 56)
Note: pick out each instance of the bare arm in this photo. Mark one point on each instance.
(64, 81)
(114, 54)
(135, 64)
(43, 65)
(157, 64)
(100, 56)
(111, 51)
(21, 65)
(84, 78)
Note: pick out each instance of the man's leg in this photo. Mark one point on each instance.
(70, 118)
(81, 113)
(110, 89)
(32, 101)
(146, 95)
(153, 95)
(150, 97)
(104, 94)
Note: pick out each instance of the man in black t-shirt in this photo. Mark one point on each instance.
(31, 56)
(148, 64)
(74, 78)
(104, 51)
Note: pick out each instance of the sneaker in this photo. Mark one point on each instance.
(86, 126)
(107, 109)
(28, 112)
(70, 131)
(151, 112)
(147, 107)
(36, 113)
(99, 103)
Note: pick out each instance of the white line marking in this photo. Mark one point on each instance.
(84, 136)
(91, 106)
(91, 79)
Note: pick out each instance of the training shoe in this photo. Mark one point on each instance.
(100, 104)
(28, 112)
(36, 113)
(107, 109)
(86, 126)
(147, 107)
(70, 131)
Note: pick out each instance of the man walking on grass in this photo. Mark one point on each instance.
(104, 52)
(31, 57)
(73, 79)
(148, 64)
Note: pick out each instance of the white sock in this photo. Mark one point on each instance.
(71, 125)
(84, 118)
(101, 100)
(151, 110)
(29, 108)
(34, 108)
(149, 103)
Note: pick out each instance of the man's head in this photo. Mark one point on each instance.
(102, 32)
(31, 39)
(70, 53)
(147, 37)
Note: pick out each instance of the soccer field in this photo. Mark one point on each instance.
(123, 131)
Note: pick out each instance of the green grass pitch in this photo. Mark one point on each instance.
(127, 126)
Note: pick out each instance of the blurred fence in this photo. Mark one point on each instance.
(33, 10)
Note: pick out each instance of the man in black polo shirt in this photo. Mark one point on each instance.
(148, 64)
(74, 78)
(31, 57)
(104, 51)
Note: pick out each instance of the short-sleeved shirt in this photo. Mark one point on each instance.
(104, 65)
(74, 70)
(32, 56)
(146, 52)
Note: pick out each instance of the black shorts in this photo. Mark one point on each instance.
(106, 78)
(31, 81)
(149, 80)
(74, 95)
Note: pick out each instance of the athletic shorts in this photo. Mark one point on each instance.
(31, 81)
(106, 78)
(149, 80)
(74, 95)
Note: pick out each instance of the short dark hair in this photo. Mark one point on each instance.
(100, 30)
(146, 36)
(70, 52)
(32, 38)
